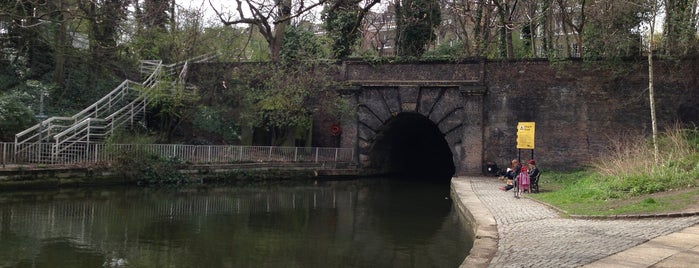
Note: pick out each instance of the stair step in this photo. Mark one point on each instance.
(122, 97)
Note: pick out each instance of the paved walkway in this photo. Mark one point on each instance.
(524, 233)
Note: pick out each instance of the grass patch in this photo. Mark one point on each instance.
(629, 181)
(583, 193)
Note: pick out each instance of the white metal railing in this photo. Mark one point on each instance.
(122, 106)
(122, 100)
(82, 153)
(178, 69)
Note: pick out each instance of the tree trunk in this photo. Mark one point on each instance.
(502, 34)
(482, 31)
(548, 22)
(532, 37)
(95, 48)
(173, 16)
(579, 29)
(138, 15)
(579, 38)
(508, 42)
(566, 37)
(275, 44)
(651, 96)
(59, 45)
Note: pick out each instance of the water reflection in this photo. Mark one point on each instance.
(359, 223)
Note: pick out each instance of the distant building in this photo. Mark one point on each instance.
(379, 32)
(457, 28)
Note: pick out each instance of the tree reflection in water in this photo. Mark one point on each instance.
(355, 223)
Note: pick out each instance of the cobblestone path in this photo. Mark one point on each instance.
(533, 235)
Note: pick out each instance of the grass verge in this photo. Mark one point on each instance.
(630, 179)
(584, 193)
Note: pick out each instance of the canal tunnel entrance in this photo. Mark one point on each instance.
(411, 146)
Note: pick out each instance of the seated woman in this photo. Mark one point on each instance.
(510, 175)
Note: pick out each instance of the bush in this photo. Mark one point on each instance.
(15, 114)
(137, 164)
(629, 168)
(158, 171)
(152, 170)
(218, 122)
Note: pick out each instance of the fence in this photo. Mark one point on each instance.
(194, 154)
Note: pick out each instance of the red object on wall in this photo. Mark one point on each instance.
(335, 129)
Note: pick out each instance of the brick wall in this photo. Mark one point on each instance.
(577, 106)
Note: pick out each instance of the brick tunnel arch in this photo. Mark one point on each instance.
(411, 146)
(419, 130)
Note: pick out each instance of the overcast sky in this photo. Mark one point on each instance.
(229, 6)
(221, 5)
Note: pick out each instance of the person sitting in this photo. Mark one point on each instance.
(510, 175)
(534, 173)
(509, 184)
(492, 169)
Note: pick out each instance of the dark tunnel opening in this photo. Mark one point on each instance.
(411, 146)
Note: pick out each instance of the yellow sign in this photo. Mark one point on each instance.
(525, 135)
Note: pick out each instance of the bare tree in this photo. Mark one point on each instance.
(456, 13)
(270, 18)
(535, 25)
(506, 18)
(680, 27)
(475, 21)
(573, 14)
(548, 28)
(378, 31)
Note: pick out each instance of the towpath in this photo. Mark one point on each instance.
(525, 233)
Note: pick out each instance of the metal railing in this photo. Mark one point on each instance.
(175, 70)
(121, 101)
(85, 153)
(122, 106)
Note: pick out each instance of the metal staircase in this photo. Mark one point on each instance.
(67, 139)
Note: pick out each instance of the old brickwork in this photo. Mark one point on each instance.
(577, 106)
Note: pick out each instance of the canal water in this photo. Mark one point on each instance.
(353, 223)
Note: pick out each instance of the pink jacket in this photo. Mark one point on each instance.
(523, 180)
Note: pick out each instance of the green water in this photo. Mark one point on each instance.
(358, 223)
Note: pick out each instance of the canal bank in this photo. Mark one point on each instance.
(522, 232)
(23, 177)
(468, 206)
(476, 216)
(479, 220)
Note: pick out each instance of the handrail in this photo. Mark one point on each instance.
(203, 57)
(117, 90)
(109, 118)
(77, 117)
(80, 124)
(148, 66)
(156, 74)
(32, 128)
(183, 73)
(192, 154)
(126, 107)
(116, 108)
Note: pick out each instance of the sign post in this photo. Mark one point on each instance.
(525, 137)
